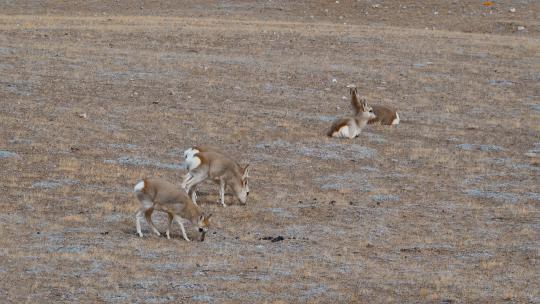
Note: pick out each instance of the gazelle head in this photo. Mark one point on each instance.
(242, 189)
(360, 106)
(365, 111)
(203, 223)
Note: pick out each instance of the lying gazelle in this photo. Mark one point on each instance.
(158, 194)
(383, 115)
(351, 127)
(218, 168)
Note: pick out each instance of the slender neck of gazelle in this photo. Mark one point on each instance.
(192, 212)
(235, 180)
(361, 121)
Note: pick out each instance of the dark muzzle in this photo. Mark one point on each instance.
(203, 234)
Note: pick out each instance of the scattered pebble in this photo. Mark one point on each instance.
(512, 10)
(334, 80)
(272, 239)
(83, 115)
(520, 28)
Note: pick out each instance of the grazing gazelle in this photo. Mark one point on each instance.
(189, 163)
(351, 127)
(220, 169)
(383, 114)
(158, 194)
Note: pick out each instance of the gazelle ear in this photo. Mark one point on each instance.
(246, 171)
(357, 106)
(363, 102)
(206, 219)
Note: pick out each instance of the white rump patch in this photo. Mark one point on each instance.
(396, 120)
(139, 186)
(193, 162)
(189, 153)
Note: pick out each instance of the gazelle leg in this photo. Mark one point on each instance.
(185, 180)
(192, 182)
(148, 217)
(139, 216)
(179, 221)
(222, 192)
(194, 196)
(169, 225)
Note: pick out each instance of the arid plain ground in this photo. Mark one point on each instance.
(444, 208)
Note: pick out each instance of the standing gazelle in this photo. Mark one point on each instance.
(158, 194)
(220, 169)
(351, 127)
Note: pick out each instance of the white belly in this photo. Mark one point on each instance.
(346, 131)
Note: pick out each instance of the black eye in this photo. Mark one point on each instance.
(200, 230)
